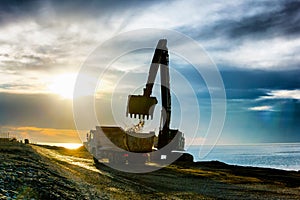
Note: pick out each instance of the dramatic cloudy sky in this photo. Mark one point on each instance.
(255, 45)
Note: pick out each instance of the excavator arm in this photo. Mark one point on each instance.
(142, 106)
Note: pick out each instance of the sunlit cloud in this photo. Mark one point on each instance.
(272, 54)
(49, 41)
(63, 85)
(261, 108)
(37, 134)
(282, 94)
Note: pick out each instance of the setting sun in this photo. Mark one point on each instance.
(63, 85)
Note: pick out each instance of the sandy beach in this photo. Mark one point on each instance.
(44, 172)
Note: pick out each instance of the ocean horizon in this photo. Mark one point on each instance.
(284, 156)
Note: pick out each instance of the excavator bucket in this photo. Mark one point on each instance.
(141, 107)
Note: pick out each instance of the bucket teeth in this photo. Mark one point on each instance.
(139, 116)
(141, 107)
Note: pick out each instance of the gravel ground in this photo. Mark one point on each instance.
(26, 175)
(43, 172)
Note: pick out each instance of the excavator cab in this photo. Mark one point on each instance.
(140, 106)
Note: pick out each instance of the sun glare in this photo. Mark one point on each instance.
(63, 85)
(71, 145)
(65, 145)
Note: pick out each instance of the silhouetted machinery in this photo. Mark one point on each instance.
(169, 141)
(142, 106)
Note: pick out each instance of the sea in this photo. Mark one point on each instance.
(284, 156)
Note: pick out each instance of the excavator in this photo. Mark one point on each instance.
(142, 106)
(102, 142)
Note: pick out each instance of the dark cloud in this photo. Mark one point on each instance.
(284, 21)
(95, 5)
(256, 83)
(45, 111)
(17, 9)
(10, 10)
(277, 18)
(17, 6)
(261, 79)
(244, 94)
(245, 83)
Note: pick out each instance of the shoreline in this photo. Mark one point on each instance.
(195, 162)
(287, 168)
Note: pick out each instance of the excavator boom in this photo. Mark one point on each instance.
(142, 106)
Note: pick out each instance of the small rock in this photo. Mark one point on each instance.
(19, 173)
